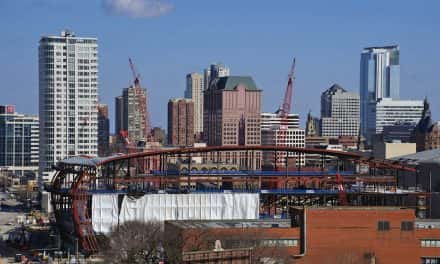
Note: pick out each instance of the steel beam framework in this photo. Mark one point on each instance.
(293, 184)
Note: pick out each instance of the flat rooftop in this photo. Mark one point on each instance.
(263, 223)
(346, 208)
(428, 223)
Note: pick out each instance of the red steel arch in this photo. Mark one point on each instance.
(77, 177)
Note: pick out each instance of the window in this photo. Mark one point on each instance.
(430, 260)
(383, 225)
(407, 226)
(279, 242)
(430, 243)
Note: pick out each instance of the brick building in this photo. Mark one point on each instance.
(232, 117)
(232, 109)
(103, 130)
(318, 235)
(266, 238)
(181, 122)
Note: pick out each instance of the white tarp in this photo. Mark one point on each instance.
(104, 212)
(206, 206)
(160, 207)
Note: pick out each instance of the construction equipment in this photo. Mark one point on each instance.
(142, 102)
(341, 190)
(129, 147)
(284, 111)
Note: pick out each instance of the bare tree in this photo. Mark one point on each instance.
(274, 253)
(135, 242)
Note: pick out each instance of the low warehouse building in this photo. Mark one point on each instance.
(312, 235)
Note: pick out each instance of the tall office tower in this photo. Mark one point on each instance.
(379, 78)
(339, 112)
(19, 136)
(232, 109)
(119, 114)
(390, 112)
(194, 91)
(278, 132)
(181, 122)
(214, 71)
(232, 116)
(129, 118)
(68, 98)
(103, 130)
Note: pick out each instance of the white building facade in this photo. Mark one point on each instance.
(269, 120)
(339, 112)
(68, 99)
(389, 112)
(194, 90)
(278, 132)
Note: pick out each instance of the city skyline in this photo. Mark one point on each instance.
(164, 53)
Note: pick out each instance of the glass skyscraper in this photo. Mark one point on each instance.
(18, 141)
(379, 78)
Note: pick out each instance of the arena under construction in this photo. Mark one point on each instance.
(91, 195)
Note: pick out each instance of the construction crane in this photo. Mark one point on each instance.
(284, 110)
(142, 99)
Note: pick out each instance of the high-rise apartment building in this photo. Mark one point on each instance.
(181, 122)
(389, 112)
(232, 109)
(129, 117)
(379, 78)
(68, 98)
(194, 91)
(103, 130)
(339, 112)
(278, 132)
(19, 141)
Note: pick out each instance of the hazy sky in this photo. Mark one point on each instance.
(167, 40)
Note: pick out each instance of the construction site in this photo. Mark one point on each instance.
(298, 199)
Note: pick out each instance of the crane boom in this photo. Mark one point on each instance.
(285, 108)
(283, 113)
(341, 190)
(142, 102)
(135, 74)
